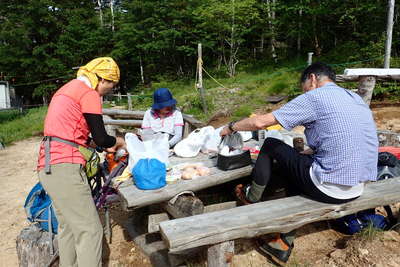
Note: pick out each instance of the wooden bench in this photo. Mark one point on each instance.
(281, 215)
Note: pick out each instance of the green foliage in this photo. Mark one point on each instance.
(242, 112)
(9, 115)
(42, 40)
(278, 87)
(22, 127)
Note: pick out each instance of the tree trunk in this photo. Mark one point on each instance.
(271, 20)
(141, 69)
(233, 45)
(389, 30)
(316, 41)
(112, 14)
(34, 248)
(299, 31)
(366, 86)
(262, 43)
(100, 12)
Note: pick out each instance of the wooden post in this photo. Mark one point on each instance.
(200, 84)
(309, 60)
(129, 101)
(220, 255)
(119, 96)
(366, 86)
(389, 30)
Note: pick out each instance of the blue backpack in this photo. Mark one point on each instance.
(354, 223)
(39, 209)
(149, 174)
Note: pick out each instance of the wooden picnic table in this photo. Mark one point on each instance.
(132, 197)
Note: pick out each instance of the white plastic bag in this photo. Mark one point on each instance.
(191, 145)
(212, 140)
(156, 148)
(246, 135)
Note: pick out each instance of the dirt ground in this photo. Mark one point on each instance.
(317, 244)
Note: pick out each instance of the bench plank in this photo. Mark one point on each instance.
(281, 215)
(132, 197)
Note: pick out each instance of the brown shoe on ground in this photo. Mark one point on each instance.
(241, 192)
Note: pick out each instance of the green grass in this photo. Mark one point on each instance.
(15, 127)
(254, 84)
(369, 233)
(9, 115)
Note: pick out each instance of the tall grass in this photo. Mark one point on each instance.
(16, 126)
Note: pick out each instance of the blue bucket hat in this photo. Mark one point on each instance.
(162, 98)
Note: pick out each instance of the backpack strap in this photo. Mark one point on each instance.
(47, 157)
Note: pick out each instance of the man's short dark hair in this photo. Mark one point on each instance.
(319, 69)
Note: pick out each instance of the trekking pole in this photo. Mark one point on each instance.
(53, 259)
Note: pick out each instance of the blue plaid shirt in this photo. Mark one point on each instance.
(339, 127)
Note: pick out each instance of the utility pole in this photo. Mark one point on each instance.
(200, 73)
(389, 30)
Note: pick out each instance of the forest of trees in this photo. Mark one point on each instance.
(43, 41)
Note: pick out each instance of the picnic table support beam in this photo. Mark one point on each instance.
(220, 255)
(366, 85)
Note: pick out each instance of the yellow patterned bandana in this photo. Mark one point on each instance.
(104, 67)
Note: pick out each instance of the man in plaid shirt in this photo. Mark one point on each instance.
(343, 153)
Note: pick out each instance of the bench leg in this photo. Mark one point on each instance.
(220, 255)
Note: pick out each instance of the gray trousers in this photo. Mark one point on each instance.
(80, 233)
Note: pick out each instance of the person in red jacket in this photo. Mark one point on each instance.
(75, 111)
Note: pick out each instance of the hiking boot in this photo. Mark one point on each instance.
(241, 193)
(278, 249)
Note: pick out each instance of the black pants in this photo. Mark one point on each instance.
(293, 167)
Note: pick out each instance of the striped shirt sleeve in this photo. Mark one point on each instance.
(297, 112)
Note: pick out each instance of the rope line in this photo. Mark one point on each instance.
(214, 79)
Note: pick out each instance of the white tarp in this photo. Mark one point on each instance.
(4, 96)
(371, 72)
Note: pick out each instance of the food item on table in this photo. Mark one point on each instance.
(203, 171)
(190, 168)
(189, 174)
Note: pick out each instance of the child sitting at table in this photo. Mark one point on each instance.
(163, 117)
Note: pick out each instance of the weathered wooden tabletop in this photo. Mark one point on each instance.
(132, 197)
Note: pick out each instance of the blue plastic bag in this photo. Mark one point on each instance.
(149, 174)
(38, 207)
